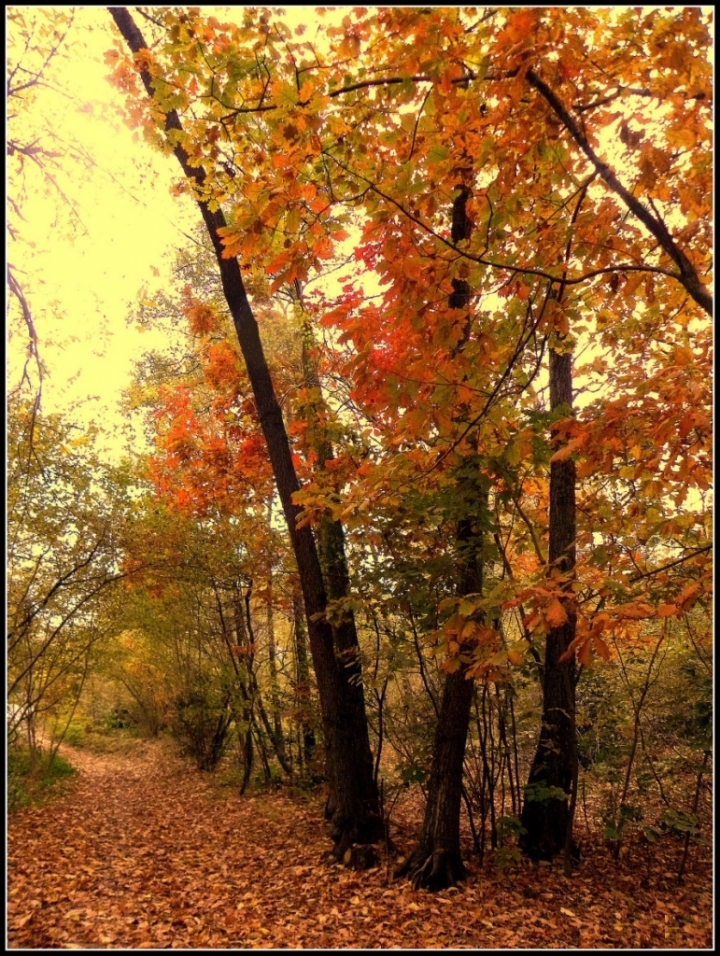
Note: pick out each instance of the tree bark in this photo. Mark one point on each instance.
(356, 818)
(546, 815)
(436, 862)
(333, 561)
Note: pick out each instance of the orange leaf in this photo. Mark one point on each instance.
(601, 647)
(585, 654)
(555, 614)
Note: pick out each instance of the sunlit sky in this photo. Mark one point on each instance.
(82, 287)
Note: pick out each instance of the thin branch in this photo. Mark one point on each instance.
(672, 564)
(500, 266)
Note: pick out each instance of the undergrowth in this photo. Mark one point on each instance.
(33, 776)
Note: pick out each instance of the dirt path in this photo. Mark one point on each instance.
(141, 852)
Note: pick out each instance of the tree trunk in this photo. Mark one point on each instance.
(302, 685)
(240, 652)
(436, 862)
(333, 561)
(546, 811)
(272, 662)
(356, 817)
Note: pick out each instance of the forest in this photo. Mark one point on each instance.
(390, 622)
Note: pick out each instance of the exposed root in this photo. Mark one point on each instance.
(354, 845)
(433, 871)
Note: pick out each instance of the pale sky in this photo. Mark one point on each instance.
(81, 290)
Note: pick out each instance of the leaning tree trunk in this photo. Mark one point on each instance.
(546, 815)
(436, 862)
(357, 817)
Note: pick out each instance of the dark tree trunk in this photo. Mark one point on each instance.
(302, 685)
(546, 814)
(436, 862)
(240, 652)
(247, 756)
(356, 817)
(333, 561)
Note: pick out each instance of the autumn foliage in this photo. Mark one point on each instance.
(450, 317)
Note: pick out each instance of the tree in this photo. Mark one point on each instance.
(530, 114)
(353, 793)
(519, 237)
(436, 862)
(65, 508)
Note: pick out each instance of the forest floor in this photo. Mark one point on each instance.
(141, 851)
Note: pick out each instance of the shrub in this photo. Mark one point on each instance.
(201, 724)
(32, 774)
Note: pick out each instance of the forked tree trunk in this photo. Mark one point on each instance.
(356, 817)
(546, 815)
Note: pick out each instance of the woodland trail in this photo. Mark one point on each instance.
(142, 852)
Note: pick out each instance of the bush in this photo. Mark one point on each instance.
(32, 775)
(75, 732)
(201, 724)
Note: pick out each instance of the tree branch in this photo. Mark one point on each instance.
(672, 564)
(687, 275)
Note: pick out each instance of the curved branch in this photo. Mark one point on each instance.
(672, 564)
(687, 275)
(500, 266)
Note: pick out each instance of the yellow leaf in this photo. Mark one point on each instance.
(517, 650)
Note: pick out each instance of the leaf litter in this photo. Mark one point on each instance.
(143, 851)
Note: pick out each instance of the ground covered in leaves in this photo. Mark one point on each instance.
(142, 851)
